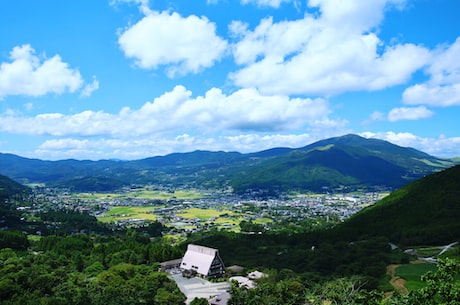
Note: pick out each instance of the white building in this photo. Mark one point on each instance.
(203, 260)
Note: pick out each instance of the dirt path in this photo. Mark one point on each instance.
(396, 281)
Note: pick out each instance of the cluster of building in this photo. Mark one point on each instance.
(200, 263)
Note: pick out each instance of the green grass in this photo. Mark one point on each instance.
(203, 214)
(33, 238)
(178, 194)
(262, 221)
(412, 273)
(144, 193)
(128, 212)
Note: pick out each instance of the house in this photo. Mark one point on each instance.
(202, 260)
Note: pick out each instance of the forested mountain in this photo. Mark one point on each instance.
(348, 161)
(426, 211)
(10, 188)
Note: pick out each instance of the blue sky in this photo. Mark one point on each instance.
(129, 79)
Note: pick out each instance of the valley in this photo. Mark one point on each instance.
(184, 212)
(341, 218)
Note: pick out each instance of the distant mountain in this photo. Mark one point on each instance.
(426, 211)
(348, 161)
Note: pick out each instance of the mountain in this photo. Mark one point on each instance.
(10, 188)
(426, 211)
(349, 161)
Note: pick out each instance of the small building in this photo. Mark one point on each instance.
(170, 265)
(202, 260)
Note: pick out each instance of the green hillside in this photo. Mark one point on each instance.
(10, 188)
(426, 211)
(348, 161)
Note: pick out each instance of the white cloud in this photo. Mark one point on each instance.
(270, 3)
(409, 113)
(28, 74)
(244, 110)
(443, 87)
(153, 145)
(90, 88)
(441, 146)
(333, 52)
(182, 45)
(433, 95)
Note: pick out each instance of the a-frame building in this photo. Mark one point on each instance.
(203, 260)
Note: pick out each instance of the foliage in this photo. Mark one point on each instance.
(423, 212)
(315, 256)
(10, 189)
(13, 239)
(442, 286)
(95, 270)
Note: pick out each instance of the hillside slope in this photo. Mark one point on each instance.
(348, 161)
(426, 211)
(10, 188)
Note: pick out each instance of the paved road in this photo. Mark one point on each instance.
(198, 288)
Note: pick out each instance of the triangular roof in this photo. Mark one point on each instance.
(199, 258)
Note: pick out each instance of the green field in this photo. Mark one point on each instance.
(144, 193)
(177, 194)
(128, 212)
(202, 214)
(412, 273)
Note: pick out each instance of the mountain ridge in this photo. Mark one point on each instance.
(347, 161)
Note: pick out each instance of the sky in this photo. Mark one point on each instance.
(130, 79)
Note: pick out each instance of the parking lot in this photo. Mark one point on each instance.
(196, 287)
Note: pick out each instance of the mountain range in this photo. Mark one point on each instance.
(348, 161)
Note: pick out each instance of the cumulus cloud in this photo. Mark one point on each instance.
(31, 75)
(443, 87)
(335, 51)
(155, 145)
(270, 3)
(409, 113)
(441, 146)
(181, 44)
(244, 110)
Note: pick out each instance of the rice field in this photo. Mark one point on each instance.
(144, 193)
(118, 213)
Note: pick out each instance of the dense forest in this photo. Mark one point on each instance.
(123, 269)
(80, 269)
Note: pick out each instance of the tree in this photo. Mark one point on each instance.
(199, 301)
(442, 286)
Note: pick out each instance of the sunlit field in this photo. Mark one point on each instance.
(144, 193)
(128, 212)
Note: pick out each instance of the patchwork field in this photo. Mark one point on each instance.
(118, 213)
(143, 193)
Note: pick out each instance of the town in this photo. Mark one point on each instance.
(188, 211)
